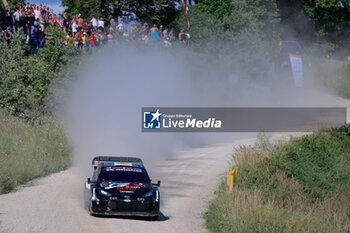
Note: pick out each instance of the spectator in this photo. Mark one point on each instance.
(100, 23)
(80, 22)
(154, 33)
(171, 35)
(91, 42)
(187, 37)
(110, 36)
(94, 22)
(113, 24)
(183, 37)
(160, 31)
(84, 40)
(144, 30)
(120, 26)
(74, 27)
(154, 28)
(77, 39)
(7, 35)
(53, 20)
(17, 17)
(165, 32)
(65, 22)
(37, 13)
(167, 43)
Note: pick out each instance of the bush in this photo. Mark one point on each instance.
(28, 152)
(296, 186)
(25, 79)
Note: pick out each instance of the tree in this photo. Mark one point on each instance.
(5, 3)
(315, 21)
(157, 11)
(242, 34)
(12, 3)
(25, 79)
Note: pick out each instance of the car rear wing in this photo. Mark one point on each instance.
(99, 159)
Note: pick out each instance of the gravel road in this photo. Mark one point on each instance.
(55, 203)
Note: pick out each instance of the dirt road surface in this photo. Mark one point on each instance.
(55, 203)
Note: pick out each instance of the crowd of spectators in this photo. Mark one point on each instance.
(34, 20)
(31, 20)
(87, 34)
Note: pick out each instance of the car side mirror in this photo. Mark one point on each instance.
(157, 184)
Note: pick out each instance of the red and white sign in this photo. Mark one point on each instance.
(297, 69)
(188, 15)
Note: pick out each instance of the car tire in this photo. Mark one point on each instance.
(90, 208)
(154, 218)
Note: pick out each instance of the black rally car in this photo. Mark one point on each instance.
(121, 186)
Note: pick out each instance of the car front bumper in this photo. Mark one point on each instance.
(125, 208)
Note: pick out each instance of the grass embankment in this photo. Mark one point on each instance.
(298, 186)
(29, 151)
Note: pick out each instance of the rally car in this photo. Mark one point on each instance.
(121, 186)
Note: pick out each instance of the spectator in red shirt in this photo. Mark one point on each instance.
(32, 14)
(53, 20)
(91, 41)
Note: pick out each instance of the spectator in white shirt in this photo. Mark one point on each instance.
(94, 22)
(100, 23)
(74, 28)
(17, 16)
(120, 26)
(37, 13)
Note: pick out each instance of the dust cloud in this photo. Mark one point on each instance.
(100, 110)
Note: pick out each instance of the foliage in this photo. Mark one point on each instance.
(331, 21)
(295, 186)
(25, 78)
(30, 151)
(158, 11)
(242, 33)
(323, 22)
(12, 3)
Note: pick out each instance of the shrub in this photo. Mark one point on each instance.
(30, 151)
(298, 186)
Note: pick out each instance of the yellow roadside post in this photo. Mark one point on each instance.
(231, 178)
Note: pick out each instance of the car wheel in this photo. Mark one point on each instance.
(90, 208)
(154, 218)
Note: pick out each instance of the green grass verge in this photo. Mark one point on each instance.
(298, 186)
(30, 151)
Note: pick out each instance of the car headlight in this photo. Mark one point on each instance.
(148, 194)
(105, 193)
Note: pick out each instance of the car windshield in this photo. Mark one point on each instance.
(124, 174)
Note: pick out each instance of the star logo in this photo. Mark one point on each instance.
(152, 120)
(156, 115)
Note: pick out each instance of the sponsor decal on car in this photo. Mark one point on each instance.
(127, 169)
(125, 186)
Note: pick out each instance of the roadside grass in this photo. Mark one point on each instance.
(302, 185)
(29, 151)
